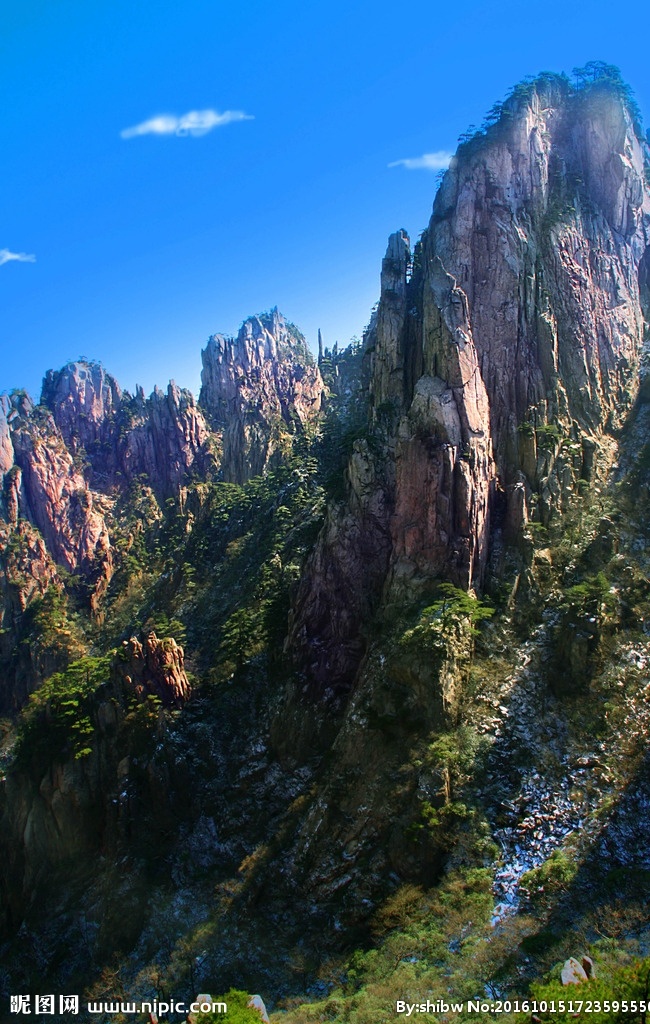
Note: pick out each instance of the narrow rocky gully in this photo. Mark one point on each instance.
(547, 781)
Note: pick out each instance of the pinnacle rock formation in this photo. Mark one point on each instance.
(257, 387)
(503, 356)
(154, 667)
(122, 437)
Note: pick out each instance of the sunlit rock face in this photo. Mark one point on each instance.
(118, 437)
(64, 462)
(545, 229)
(45, 486)
(503, 357)
(154, 667)
(168, 439)
(257, 388)
(85, 401)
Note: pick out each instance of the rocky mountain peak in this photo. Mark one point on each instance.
(256, 386)
(84, 399)
(503, 354)
(544, 220)
(118, 436)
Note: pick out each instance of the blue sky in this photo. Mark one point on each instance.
(144, 245)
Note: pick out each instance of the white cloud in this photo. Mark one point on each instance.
(427, 162)
(195, 122)
(6, 256)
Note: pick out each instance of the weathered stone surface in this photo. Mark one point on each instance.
(57, 499)
(28, 569)
(500, 367)
(64, 463)
(255, 387)
(42, 484)
(344, 575)
(86, 402)
(544, 226)
(168, 437)
(88, 432)
(155, 667)
(573, 973)
(386, 383)
(6, 447)
(118, 437)
(418, 497)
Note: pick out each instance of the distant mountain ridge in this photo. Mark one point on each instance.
(65, 463)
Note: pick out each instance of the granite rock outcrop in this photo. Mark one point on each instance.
(257, 389)
(154, 667)
(70, 465)
(119, 437)
(43, 485)
(502, 359)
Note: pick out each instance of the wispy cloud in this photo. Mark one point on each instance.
(195, 122)
(427, 162)
(6, 256)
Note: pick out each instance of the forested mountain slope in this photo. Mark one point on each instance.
(351, 656)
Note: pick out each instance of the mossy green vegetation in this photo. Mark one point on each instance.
(238, 1012)
(455, 613)
(57, 721)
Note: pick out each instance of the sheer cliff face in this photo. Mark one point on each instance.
(63, 462)
(42, 484)
(121, 437)
(500, 367)
(255, 387)
(544, 229)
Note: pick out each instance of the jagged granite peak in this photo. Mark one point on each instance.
(121, 436)
(85, 401)
(545, 223)
(47, 488)
(502, 355)
(256, 386)
(386, 382)
(88, 437)
(41, 483)
(167, 437)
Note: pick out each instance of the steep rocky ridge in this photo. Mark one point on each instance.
(119, 437)
(257, 387)
(44, 486)
(545, 229)
(503, 362)
(66, 462)
(503, 357)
